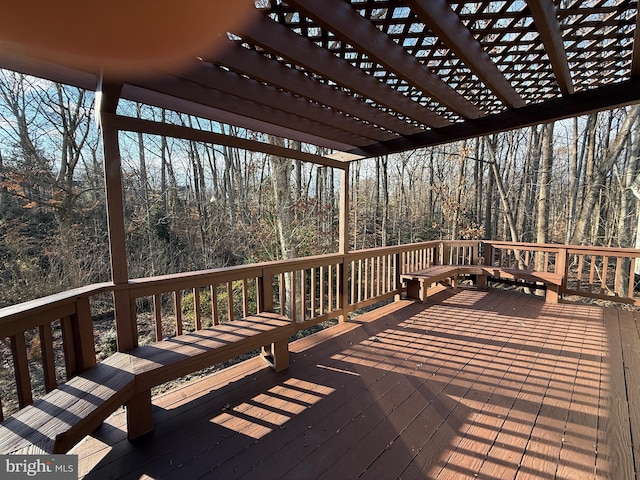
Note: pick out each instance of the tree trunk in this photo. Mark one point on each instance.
(542, 229)
(508, 212)
(455, 223)
(281, 183)
(594, 188)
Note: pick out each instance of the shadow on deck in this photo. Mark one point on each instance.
(491, 385)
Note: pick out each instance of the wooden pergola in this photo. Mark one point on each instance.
(369, 77)
(358, 79)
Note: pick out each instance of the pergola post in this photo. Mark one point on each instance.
(107, 98)
(343, 242)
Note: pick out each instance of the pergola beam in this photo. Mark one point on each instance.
(253, 64)
(546, 21)
(340, 18)
(211, 76)
(131, 124)
(191, 91)
(281, 41)
(581, 103)
(193, 107)
(444, 23)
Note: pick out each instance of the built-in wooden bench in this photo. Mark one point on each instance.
(61, 418)
(161, 362)
(419, 282)
(551, 282)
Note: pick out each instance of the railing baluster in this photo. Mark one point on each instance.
(259, 289)
(157, 313)
(330, 271)
(385, 274)
(215, 318)
(177, 310)
(245, 298)
(580, 267)
(303, 294)
(323, 285)
(605, 270)
(230, 302)
(82, 325)
(618, 277)
(21, 368)
(314, 286)
(197, 309)
(370, 277)
(632, 269)
(592, 269)
(283, 294)
(48, 360)
(294, 298)
(366, 279)
(68, 346)
(378, 276)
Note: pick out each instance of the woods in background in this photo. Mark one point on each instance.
(193, 206)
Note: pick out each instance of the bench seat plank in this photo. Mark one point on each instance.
(161, 362)
(527, 275)
(58, 420)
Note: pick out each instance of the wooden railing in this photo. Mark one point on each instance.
(525, 256)
(308, 290)
(32, 334)
(607, 274)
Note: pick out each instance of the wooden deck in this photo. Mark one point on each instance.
(489, 385)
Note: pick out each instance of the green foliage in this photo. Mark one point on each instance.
(188, 304)
(108, 342)
(159, 224)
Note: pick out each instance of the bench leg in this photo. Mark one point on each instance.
(139, 416)
(414, 289)
(277, 355)
(553, 293)
(482, 282)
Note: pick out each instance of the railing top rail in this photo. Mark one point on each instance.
(40, 305)
(631, 252)
(301, 263)
(395, 248)
(524, 245)
(168, 282)
(627, 252)
(239, 271)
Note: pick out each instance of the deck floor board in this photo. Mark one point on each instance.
(492, 385)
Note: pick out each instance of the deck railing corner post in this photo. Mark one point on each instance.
(126, 318)
(82, 325)
(488, 253)
(475, 254)
(562, 267)
(265, 291)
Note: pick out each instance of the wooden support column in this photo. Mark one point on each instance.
(343, 247)
(107, 98)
